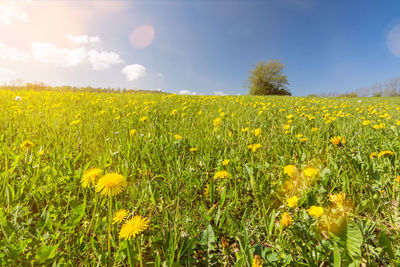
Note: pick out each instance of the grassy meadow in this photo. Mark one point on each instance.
(113, 179)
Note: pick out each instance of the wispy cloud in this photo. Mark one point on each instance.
(187, 92)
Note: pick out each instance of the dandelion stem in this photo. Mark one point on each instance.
(93, 215)
(139, 251)
(109, 230)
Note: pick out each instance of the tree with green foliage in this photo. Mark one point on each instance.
(267, 78)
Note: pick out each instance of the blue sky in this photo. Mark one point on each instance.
(203, 47)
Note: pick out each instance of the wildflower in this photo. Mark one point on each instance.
(315, 211)
(366, 122)
(398, 179)
(245, 129)
(75, 122)
(225, 162)
(90, 177)
(290, 116)
(224, 243)
(26, 145)
(292, 202)
(41, 152)
(303, 140)
(142, 119)
(299, 135)
(120, 216)
(338, 199)
(290, 170)
(373, 155)
(286, 127)
(133, 226)
(111, 184)
(132, 132)
(254, 147)
(315, 129)
(256, 261)
(177, 137)
(207, 190)
(385, 153)
(311, 172)
(192, 149)
(217, 121)
(257, 132)
(221, 175)
(286, 219)
(338, 140)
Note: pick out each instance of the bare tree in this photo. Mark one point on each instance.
(392, 86)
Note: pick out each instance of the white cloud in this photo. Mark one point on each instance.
(65, 57)
(100, 60)
(83, 39)
(219, 93)
(49, 53)
(10, 10)
(12, 54)
(187, 92)
(133, 72)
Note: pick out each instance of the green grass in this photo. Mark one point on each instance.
(48, 217)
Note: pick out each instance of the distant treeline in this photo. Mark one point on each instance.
(40, 86)
(390, 87)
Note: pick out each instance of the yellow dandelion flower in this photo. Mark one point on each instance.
(257, 132)
(120, 216)
(75, 122)
(192, 149)
(373, 155)
(111, 184)
(303, 140)
(398, 179)
(245, 129)
(132, 132)
(385, 153)
(41, 152)
(315, 129)
(207, 190)
(286, 219)
(338, 140)
(315, 211)
(257, 261)
(292, 202)
(221, 175)
(177, 137)
(133, 226)
(217, 121)
(90, 177)
(254, 147)
(366, 122)
(26, 145)
(311, 172)
(290, 170)
(142, 119)
(338, 199)
(225, 162)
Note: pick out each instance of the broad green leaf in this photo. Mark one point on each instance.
(354, 240)
(46, 252)
(208, 238)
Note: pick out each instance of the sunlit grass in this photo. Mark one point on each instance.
(213, 180)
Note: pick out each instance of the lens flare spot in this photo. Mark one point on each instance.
(142, 36)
